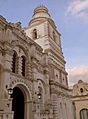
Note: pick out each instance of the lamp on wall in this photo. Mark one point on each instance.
(39, 95)
(10, 91)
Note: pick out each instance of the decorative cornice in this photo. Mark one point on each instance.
(51, 82)
(37, 20)
(80, 96)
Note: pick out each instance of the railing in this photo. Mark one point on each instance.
(6, 115)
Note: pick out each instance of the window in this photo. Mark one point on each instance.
(14, 62)
(23, 65)
(54, 36)
(63, 79)
(40, 91)
(84, 114)
(56, 76)
(81, 90)
(34, 34)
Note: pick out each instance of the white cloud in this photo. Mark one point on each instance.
(78, 8)
(77, 73)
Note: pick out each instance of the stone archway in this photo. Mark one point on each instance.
(18, 103)
(21, 98)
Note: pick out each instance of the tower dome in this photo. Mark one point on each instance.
(40, 8)
(40, 14)
(41, 11)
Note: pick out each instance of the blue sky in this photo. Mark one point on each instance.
(71, 19)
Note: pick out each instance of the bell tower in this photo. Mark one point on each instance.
(43, 31)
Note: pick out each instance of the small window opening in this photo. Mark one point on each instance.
(23, 66)
(54, 36)
(56, 76)
(81, 90)
(14, 61)
(35, 34)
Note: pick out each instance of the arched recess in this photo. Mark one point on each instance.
(23, 57)
(23, 65)
(22, 95)
(42, 90)
(21, 45)
(35, 34)
(84, 113)
(40, 81)
(14, 62)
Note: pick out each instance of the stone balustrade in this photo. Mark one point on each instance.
(6, 115)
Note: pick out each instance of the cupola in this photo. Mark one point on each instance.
(41, 11)
(40, 15)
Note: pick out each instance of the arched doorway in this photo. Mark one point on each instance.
(18, 103)
(84, 114)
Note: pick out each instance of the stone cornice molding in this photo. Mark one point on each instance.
(3, 22)
(80, 96)
(41, 20)
(60, 93)
(37, 20)
(57, 84)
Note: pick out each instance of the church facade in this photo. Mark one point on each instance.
(33, 79)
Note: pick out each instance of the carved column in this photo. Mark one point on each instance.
(28, 70)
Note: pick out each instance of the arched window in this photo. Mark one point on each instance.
(84, 114)
(81, 90)
(14, 62)
(54, 38)
(34, 34)
(23, 65)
